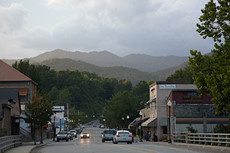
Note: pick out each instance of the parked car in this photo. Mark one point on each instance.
(74, 133)
(85, 135)
(70, 135)
(107, 135)
(62, 135)
(123, 136)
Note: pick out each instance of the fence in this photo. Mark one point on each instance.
(8, 142)
(219, 139)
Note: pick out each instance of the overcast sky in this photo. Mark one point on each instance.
(154, 27)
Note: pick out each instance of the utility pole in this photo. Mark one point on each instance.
(67, 116)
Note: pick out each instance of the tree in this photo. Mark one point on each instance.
(211, 72)
(182, 76)
(40, 111)
(125, 103)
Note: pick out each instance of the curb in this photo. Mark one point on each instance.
(39, 145)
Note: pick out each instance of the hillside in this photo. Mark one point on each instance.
(118, 72)
(141, 62)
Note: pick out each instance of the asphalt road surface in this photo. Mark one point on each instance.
(95, 145)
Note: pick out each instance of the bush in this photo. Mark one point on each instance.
(220, 128)
(191, 129)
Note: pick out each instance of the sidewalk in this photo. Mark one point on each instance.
(211, 148)
(27, 147)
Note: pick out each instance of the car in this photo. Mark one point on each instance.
(107, 135)
(62, 135)
(74, 133)
(130, 130)
(84, 135)
(94, 125)
(79, 130)
(102, 126)
(123, 136)
(70, 135)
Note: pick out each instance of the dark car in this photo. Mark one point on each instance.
(79, 130)
(107, 135)
(62, 135)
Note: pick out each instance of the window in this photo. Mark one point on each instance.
(192, 93)
(165, 131)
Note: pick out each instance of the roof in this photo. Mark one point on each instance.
(8, 73)
(8, 93)
(184, 90)
(151, 122)
(166, 82)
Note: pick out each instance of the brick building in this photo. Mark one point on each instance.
(11, 78)
(9, 111)
(156, 113)
(192, 110)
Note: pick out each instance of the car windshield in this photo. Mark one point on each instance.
(109, 132)
(123, 132)
(72, 131)
(63, 132)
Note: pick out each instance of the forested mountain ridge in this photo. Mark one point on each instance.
(142, 62)
(118, 72)
(64, 60)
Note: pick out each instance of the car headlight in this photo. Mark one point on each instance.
(87, 135)
(81, 135)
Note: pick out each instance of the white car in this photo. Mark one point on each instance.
(74, 133)
(123, 136)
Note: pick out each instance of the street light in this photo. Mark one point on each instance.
(140, 113)
(169, 105)
(123, 119)
(60, 124)
(54, 128)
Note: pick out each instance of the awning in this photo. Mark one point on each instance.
(137, 121)
(151, 122)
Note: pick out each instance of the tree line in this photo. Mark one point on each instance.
(85, 93)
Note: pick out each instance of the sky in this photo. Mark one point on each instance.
(153, 27)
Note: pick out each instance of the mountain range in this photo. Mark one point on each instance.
(142, 62)
(134, 67)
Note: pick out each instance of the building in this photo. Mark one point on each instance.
(11, 78)
(189, 109)
(156, 111)
(9, 111)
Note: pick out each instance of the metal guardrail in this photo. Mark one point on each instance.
(218, 139)
(8, 142)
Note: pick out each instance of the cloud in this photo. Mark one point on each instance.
(12, 18)
(152, 27)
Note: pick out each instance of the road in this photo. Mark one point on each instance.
(94, 145)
